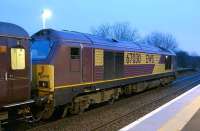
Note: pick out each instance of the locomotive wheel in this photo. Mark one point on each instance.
(48, 111)
(79, 107)
(58, 112)
(51, 112)
(76, 109)
(114, 97)
(43, 112)
(65, 111)
(111, 101)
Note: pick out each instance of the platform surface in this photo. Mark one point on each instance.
(181, 113)
(194, 123)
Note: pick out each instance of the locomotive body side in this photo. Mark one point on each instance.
(78, 71)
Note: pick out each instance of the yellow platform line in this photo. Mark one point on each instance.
(178, 122)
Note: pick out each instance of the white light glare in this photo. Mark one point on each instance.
(46, 14)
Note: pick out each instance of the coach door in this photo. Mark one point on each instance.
(3, 74)
(18, 75)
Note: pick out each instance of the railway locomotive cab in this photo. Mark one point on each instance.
(15, 66)
(74, 70)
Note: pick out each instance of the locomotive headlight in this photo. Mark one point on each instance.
(44, 84)
(45, 77)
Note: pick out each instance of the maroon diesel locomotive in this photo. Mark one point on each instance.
(75, 70)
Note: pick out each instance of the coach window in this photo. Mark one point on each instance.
(17, 58)
(75, 53)
(3, 49)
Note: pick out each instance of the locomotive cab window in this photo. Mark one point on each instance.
(40, 49)
(168, 62)
(75, 53)
(17, 58)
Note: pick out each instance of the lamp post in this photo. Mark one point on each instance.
(46, 14)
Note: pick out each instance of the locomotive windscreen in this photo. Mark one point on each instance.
(40, 49)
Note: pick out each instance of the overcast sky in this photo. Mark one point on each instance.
(179, 17)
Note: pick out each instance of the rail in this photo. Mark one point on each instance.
(183, 70)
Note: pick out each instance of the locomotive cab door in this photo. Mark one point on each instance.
(3, 75)
(113, 65)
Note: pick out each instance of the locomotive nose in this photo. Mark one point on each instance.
(43, 77)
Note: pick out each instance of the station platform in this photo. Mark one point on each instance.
(180, 114)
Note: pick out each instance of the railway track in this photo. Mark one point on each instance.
(119, 120)
(177, 91)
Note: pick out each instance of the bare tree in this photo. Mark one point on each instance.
(103, 30)
(163, 40)
(118, 31)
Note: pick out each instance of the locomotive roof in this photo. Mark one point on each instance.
(99, 42)
(12, 30)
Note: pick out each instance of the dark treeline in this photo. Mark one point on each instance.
(124, 31)
(184, 60)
